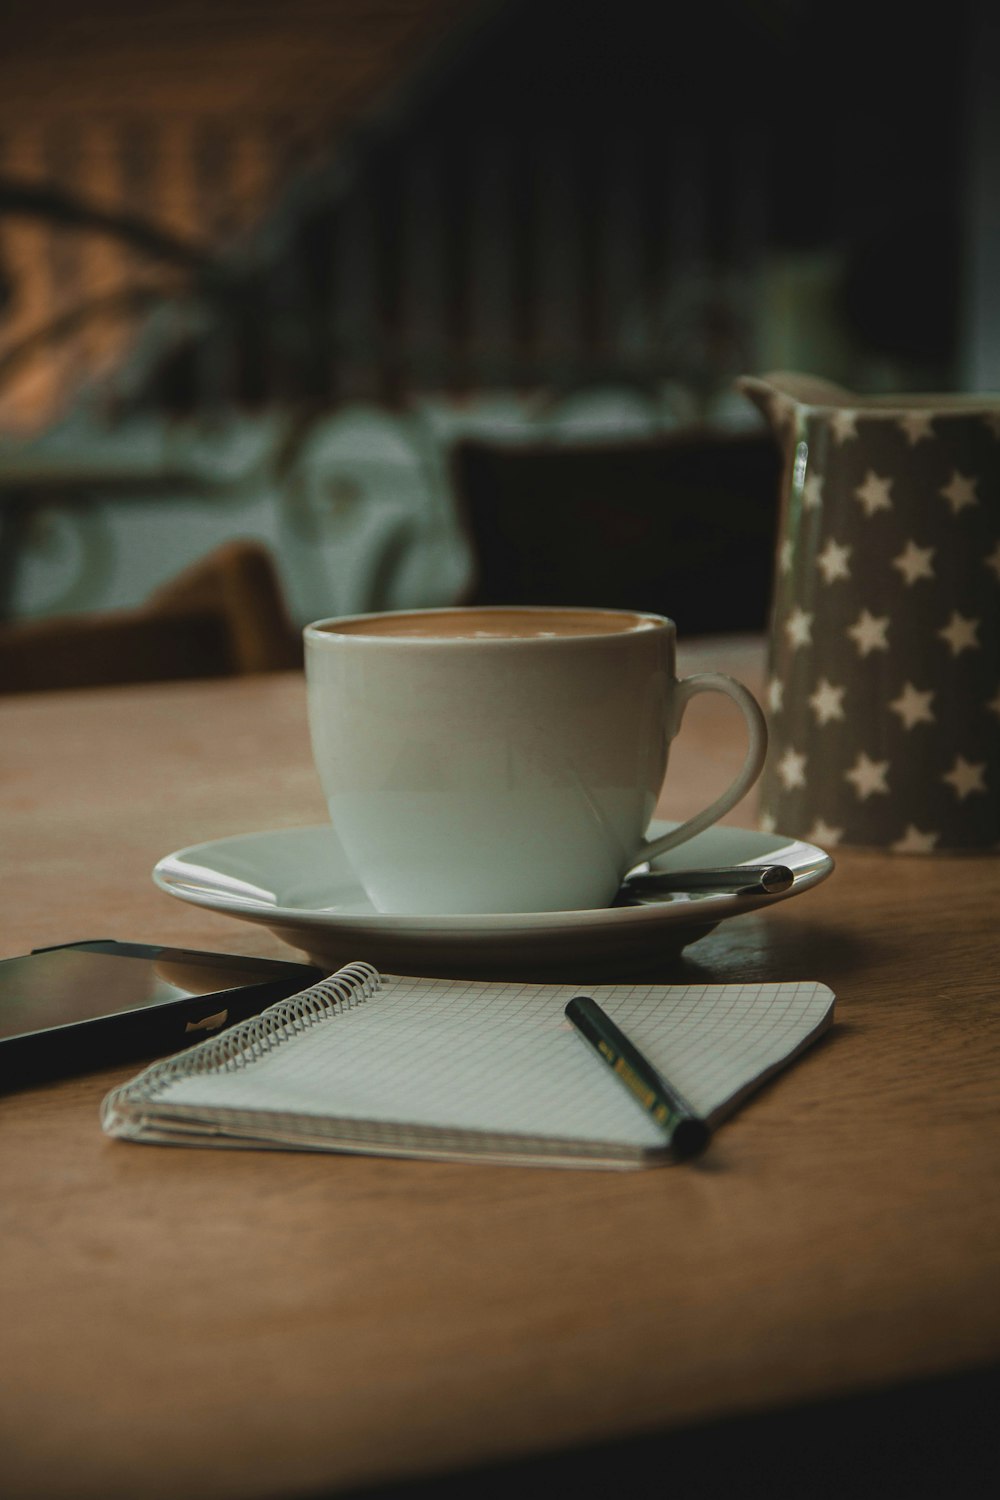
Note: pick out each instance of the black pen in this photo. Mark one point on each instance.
(686, 1132)
(748, 880)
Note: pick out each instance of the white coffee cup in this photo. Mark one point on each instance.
(503, 759)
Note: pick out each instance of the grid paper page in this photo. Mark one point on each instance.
(468, 1056)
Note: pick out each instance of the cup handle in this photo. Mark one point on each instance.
(686, 688)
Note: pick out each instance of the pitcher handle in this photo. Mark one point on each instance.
(686, 688)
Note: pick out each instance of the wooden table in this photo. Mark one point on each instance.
(178, 1322)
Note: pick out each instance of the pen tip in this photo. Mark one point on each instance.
(688, 1139)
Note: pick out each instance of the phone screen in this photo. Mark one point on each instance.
(64, 986)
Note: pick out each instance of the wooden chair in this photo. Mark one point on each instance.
(223, 616)
(682, 525)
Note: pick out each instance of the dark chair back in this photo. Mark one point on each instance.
(682, 525)
(223, 616)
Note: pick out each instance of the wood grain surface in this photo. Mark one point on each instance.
(261, 1324)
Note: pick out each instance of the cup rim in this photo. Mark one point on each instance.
(325, 631)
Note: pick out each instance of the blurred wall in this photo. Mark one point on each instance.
(574, 192)
(385, 225)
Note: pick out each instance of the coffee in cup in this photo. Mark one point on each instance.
(506, 758)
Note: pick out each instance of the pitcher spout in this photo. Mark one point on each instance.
(784, 396)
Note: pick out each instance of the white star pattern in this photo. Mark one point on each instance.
(960, 633)
(914, 562)
(792, 769)
(913, 706)
(883, 695)
(844, 423)
(812, 492)
(914, 841)
(874, 493)
(827, 702)
(966, 777)
(798, 627)
(832, 561)
(917, 425)
(869, 632)
(868, 776)
(960, 491)
(766, 823)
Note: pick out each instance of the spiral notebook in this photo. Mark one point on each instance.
(465, 1069)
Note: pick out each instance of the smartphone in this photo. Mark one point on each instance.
(81, 1006)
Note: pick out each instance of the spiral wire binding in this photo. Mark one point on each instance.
(255, 1037)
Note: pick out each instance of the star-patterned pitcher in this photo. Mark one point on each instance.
(883, 694)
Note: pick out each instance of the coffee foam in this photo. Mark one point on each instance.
(499, 623)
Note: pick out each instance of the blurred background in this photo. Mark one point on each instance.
(343, 305)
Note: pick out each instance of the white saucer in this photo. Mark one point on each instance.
(297, 882)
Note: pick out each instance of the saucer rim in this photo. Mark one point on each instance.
(701, 910)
